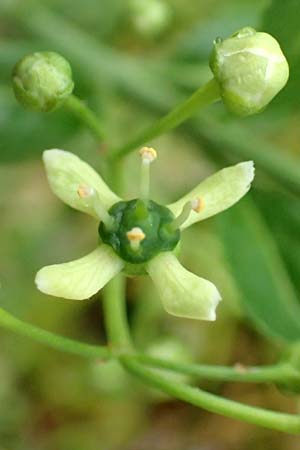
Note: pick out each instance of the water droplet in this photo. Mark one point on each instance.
(244, 32)
(218, 40)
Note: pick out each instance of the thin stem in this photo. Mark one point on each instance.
(80, 109)
(115, 314)
(266, 374)
(51, 339)
(257, 416)
(204, 96)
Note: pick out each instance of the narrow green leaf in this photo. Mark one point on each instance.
(281, 19)
(267, 293)
(284, 221)
(23, 134)
(229, 139)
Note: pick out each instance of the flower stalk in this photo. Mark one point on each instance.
(85, 115)
(204, 96)
(277, 373)
(115, 315)
(119, 337)
(287, 423)
(51, 339)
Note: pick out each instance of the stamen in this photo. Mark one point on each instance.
(85, 191)
(148, 155)
(91, 198)
(196, 205)
(135, 237)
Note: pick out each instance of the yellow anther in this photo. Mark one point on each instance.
(148, 154)
(91, 200)
(85, 191)
(197, 204)
(136, 234)
(135, 237)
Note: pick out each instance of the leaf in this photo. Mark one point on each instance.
(228, 139)
(284, 221)
(281, 19)
(267, 293)
(24, 134)
(196, 43)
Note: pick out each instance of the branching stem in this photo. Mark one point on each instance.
(204, 96)
(51, 339)
(258, 416)
(278, 373)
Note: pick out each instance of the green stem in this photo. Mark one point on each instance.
(204, 96)
(279, 373)
(51, 339)
(257, 416)
(80, 109)
(115, 314)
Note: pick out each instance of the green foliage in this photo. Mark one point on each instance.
(267, 293)
(23, 135)
(281, 19)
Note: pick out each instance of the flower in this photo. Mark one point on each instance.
(250, 69)
(139, 235)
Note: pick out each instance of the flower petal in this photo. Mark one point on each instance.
(66, 173)
(218, 192)
(80, 279)
(182, 293)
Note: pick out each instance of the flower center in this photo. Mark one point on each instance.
(141, 229)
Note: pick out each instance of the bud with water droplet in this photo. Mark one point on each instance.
(42, 81)
(250, 69)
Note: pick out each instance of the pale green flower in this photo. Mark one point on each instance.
(138, 236)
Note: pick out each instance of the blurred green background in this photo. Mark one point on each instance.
(131, 63)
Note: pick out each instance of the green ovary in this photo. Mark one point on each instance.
(153, 219)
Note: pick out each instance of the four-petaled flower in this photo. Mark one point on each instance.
(138, 236)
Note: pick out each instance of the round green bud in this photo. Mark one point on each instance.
(150, 18)
(42, 81)
(250, 69)
(152, 220)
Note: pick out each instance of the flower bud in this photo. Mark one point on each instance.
(150, 18)
(42, 81)
(250, 69)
